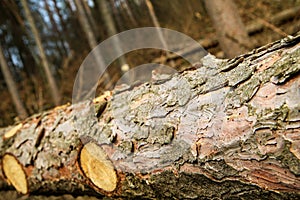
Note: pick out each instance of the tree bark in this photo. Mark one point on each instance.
(224, 129)
(12, 87)
(231, 32)
(52, 83)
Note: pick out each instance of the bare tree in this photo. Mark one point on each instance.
(111, 29)
(60, 42)
(156, 24)
(126, 7)
(12, 87)
(53, 87)
(231, 31)
(83, 19)
(90, 16)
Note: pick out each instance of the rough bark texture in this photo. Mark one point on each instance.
(225, 129)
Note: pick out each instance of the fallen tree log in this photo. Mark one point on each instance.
(222, 129)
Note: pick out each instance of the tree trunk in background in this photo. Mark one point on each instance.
(90, 17)
(126, 7)
(59, 37)
(12, 87)
(18, 30)
(55, 32)
(91, 38)
(116, 14)
(231, 32)
(224, 129)
(83, 19)
(112, 31)
(156, 24)
(51, 81)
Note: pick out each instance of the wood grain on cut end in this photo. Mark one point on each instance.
(97, 167)
(14, 173)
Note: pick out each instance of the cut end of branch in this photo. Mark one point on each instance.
(14, 173)
(12, 131)
(97, 167)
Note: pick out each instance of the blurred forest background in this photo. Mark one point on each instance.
(43, 42)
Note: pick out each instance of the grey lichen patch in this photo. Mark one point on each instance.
(60, 151)
(46, 160)
(140, 132)
(138, 92)
(178, 152)
(104, 135)
(161, 134)
(181, 89)
(294, 114)
(171, 100)
(126, 147)
(241, 73)
(211, 62)
(197, 78)
(155, 156)
(207, 77)
(214, 83)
